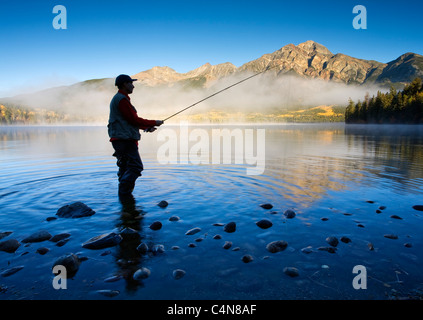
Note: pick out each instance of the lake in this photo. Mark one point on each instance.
(356, 182)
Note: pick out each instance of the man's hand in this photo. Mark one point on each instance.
(159, 122)
(151, 129)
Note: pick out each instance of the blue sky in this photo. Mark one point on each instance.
(106, 38)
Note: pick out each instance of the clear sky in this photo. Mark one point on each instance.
(106, 38)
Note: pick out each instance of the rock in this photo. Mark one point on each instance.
(418, 207)
(108, 293)
(333, 241)
(264, 224)
(408, 245)
(230, 227)
(175, 248)
(307, 250)
(217, 237)
(345, 239)
(276, 246)
(75, 210)
(9, 246)
(43, 250)
(324, 219)
(51, 218)
(328, 249)
(227, 245)
(370, 201)
(61, 243)
(163, 204)
(199, 239)
(113, 278)
(71, 262)
(247, 258)
(59, 237)
(394, 216)
(192, 245)
(158, 248)
(289, 214)
(391, 236)
(382, 207)
(10, 271)
(5, 234)
(266, 206)
(291, 271)
(142, 248)
(218, 224)
(370, 246)
(178, 274)
(360, 225)
(156, 225)
(37, 237)
(174, 218)
(103, 241)
(141, 274)
(378, 211)
(192, 231)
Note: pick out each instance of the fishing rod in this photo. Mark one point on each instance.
(216, 93)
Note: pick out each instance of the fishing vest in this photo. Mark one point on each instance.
(118, 127)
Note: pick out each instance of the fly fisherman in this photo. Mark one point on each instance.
(123, 128)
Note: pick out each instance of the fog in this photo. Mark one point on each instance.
(264, 93)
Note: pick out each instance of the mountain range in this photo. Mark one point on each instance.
(309, 60)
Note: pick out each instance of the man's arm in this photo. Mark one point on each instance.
(131, 116)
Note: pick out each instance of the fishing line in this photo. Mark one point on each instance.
(216, 93)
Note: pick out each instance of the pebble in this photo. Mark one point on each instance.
(307, 250)
(141, 274)
(333, 241)
(10, 245)
(59, 237)
(360, 225)
(230, 227)
(227, 245)
(324, 219)
(382, 207)
(247, 258)
(291, 271)
(370, 246)
(408, 245)
(142, 248)
(264, 224)
(174, 218)
(178, 274)
(276, 246)
(71, 262)
(418, 207)
(394, 216)
(158, 248)
(391, 236)
(192, 245)
(163, 204)
(39, 236)
(103, 241)
(9, 272)
(75, 210)
(328, 249)
(289, 214)
(175, 248)
(5, 234)
(266, 206)
(217, 237)
(43, 250)
(108, 293)
(156, 225)
(51, 218)
(345, 239)
(192, 231)
(113, 278)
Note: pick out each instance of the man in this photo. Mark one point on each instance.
(123, 128)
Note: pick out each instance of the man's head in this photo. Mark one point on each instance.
(124, 83)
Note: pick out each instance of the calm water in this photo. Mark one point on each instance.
(320, 171)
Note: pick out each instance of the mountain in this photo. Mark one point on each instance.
(308, 60)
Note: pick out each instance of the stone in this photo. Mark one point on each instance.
(10, 271)
(227, 245)
(38, 237)
(291, 271)
(266, 206)
(264, 224)
(10, 245)
(43, 250)
(158, 248)
(192, 245)
(345, 239)
(5, 234)
(394, 216)
(51, 218)
(418, 207)
(103, 241)
(230, 227)
(192, 231)
(391, 236)
(59, 237)
(156, 225)
(61, 243)
(333, 241)
(217, 237)
(174, 218)
(247, 258)
(108, 293)
(289, 214)
(141, 274)
(408, 245)
(276, 246)
(142, 248)
(307, 250)
(163, 204)
(178, 274)
(75, 210)
(71, 262)
(328, 249)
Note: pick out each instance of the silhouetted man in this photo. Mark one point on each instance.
(124, 125)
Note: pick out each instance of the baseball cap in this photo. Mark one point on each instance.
(121, 79)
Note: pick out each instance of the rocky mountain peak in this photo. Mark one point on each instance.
(312, 47)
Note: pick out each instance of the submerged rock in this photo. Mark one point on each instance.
(10, 271)
(59, 237)
(418, 207)
(192, 231)
(333, 241)
(71, 262)
(328, 249)
(394, 216)
(178, 274)
(230, 227)
(103, 241)
(345, 239)
(75, 210)
(141, 274)
(307, 250)
(142, 248)
(163, 204)
(264, 224)
(43, 250)
(247, 258)
(10, 245)
(156, 225)
(391, 236)
(227, 245)
(289, 214)
(266, 206)
(276, 246)
(108, 293)
(5, 234)
(291, 271)
(38, 237)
